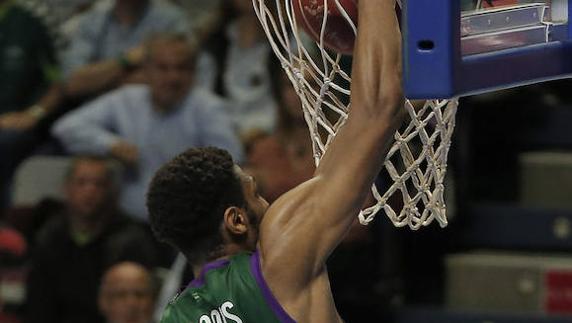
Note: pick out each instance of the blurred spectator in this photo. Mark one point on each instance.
(13, 249)
(200, 12)
(241, 56)
(27, 66)
(54, 13)
(107, 32)
(106, 51)
(146, 125)
(28, 59)
(12, 246)
(76, 246)
(284, 159)
(127, 294)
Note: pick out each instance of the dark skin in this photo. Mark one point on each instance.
(301, 229)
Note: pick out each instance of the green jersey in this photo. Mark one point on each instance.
(27, 58)
(227, 291)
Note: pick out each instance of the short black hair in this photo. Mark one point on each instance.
(187, 199)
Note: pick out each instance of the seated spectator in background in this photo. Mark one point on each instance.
(27, 66)
(13, 246)
(28, 62)
(75, 247)
(200, 12)
(127, 294)
(55, 14)
(105, 51)
(146, 125)
(13, 252)
(109, 41)
(284, 159)
(241, 56)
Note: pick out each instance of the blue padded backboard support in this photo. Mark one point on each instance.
(433, 67)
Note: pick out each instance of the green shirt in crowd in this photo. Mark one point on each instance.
(27, 58)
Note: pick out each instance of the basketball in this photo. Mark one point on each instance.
(338, 34)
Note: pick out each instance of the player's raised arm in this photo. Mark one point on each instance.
(303, 227)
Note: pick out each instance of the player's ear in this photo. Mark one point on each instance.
(235, 220)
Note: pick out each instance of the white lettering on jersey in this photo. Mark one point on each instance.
(221, 315)
(216, 317)
(225, 307)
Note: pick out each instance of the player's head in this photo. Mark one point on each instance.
(201, 203)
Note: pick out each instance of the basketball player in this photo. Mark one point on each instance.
(255, 263)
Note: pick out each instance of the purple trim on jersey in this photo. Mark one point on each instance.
(266, 292)
(200, 281)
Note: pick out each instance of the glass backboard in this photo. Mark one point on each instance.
(462, 47)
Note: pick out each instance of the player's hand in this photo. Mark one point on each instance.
(125, 152)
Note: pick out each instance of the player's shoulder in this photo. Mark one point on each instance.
(228, 290)
(185, 309)
(210, 291)
(216, 276)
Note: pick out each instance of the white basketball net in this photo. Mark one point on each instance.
(417, 161)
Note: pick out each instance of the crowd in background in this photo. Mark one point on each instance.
(115, 88)
(100, 93)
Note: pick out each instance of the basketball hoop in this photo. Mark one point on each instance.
(417, 161)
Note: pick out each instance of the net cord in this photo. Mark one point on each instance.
(416, 162)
